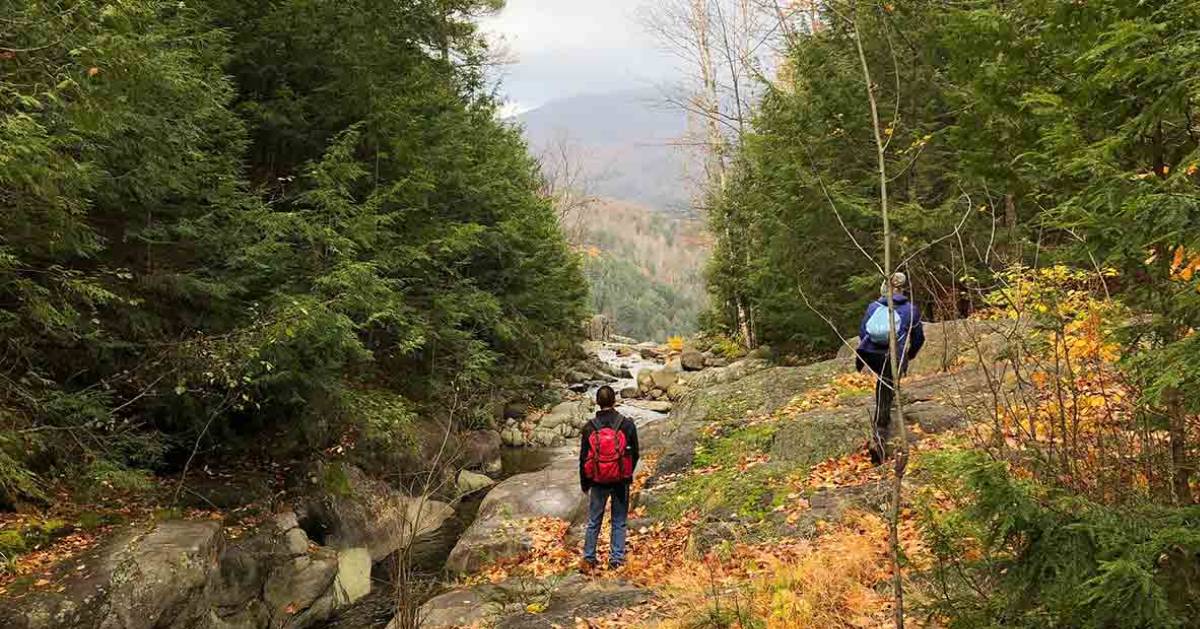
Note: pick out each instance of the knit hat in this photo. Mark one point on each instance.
(897, 284)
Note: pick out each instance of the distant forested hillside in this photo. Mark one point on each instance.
(645, 268)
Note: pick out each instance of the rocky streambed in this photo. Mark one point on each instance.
(326, 556)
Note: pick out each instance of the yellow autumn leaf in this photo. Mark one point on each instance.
(535, 607)
(1177, 261)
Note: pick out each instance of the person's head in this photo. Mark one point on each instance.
(606, 397)
(893, 286)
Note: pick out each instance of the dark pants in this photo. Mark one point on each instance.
(885, 392)
(599, 496)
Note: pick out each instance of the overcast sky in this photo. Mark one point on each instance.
(567, 47)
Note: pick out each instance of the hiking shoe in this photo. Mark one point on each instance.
(587, 566)
(616, 567)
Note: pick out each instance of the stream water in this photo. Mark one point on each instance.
(377, 609)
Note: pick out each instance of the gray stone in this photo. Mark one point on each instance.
(513, 437)
(716, 361)
(691, 360)
(651, 405)
(630, 393)
(296, 585)
(816, 436)
(459, 608)
(296, 542)
(364, 512)
(664, 378)
(353, 580)
(469, 482)
(575, 413)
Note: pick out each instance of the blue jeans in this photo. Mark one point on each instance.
(599, 496)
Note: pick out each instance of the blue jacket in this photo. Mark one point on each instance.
(910, 334)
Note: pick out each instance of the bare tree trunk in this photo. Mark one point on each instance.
(901, 462)
(1181, 468)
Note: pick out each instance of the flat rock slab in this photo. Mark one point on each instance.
(504, 605)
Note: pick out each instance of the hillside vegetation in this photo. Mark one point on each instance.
(1030, 162)
(645, 268)
(223, 220)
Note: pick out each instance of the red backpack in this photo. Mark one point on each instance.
(608, 462)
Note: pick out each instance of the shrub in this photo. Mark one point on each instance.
(1027, 555)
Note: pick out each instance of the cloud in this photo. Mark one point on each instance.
(568, 47)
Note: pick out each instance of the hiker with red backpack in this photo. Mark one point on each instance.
(608, 454)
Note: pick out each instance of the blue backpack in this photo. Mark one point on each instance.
(877, 325)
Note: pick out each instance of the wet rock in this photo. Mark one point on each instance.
(691, 360)
(650, 351)
(630, 393)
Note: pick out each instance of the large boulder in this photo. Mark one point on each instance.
(692, 360)
(575, 414)
(138, 579)
(353, 510)
(500, 529)
(664, 378)
(161, 574)
(645, 380)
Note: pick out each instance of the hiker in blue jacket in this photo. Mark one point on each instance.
(873, 345)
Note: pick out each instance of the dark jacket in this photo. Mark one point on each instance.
(910, 335)
(611, 418)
